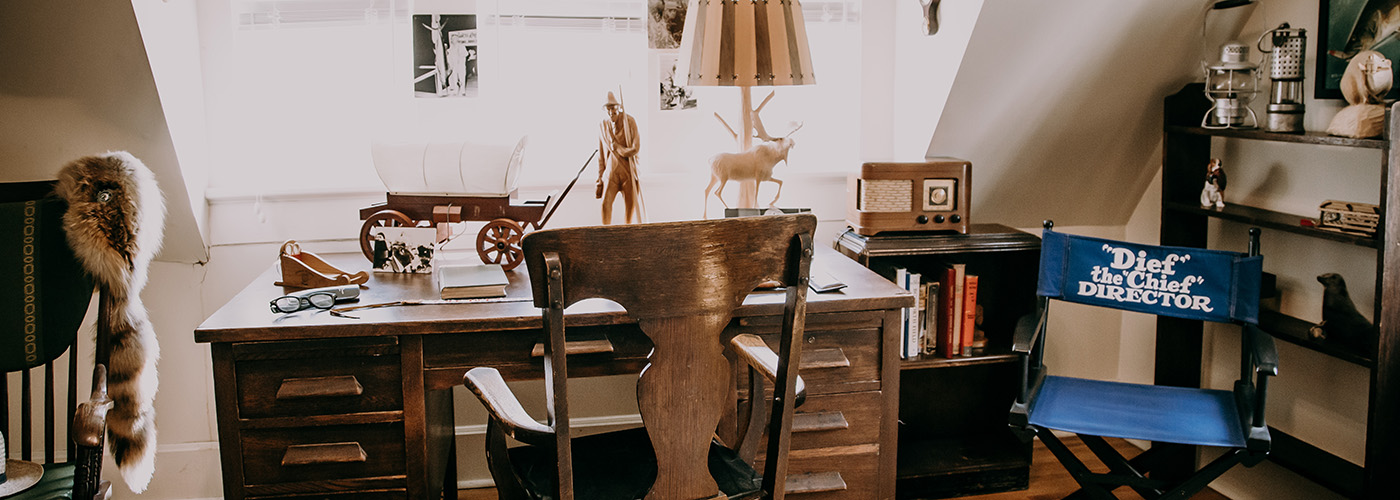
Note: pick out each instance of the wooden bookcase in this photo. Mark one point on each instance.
(1186, 149)
(953, 437)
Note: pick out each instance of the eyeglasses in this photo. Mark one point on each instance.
(292, 303)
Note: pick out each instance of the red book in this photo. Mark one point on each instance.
(969, 319)
(947, 311)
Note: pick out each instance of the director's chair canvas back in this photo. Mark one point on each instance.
(682, 282)
(1178, 282)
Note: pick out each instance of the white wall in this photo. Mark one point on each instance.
(77, 82)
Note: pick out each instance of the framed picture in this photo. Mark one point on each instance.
(445, 52)
(1345, 27)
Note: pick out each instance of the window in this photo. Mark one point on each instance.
(306, 86)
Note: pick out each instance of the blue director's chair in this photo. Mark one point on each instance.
(1187, 283)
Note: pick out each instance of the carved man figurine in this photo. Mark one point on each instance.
(618, 144)
(1214, 191)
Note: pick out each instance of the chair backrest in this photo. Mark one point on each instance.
(1181, 282)
(44, 294)
(682, 281)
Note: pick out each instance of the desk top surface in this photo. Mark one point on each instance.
(247, 318)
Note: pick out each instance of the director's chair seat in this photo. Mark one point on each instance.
(1201, 417)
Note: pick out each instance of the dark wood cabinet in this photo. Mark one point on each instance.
(1186, 151)
(953, 437)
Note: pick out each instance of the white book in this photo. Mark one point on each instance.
(901, 279)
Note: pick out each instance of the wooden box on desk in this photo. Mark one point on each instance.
(953, 438)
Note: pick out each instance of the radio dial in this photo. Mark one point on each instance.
(938, 219)
(922, 219)
(955, 218)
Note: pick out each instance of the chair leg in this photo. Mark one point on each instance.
(1076, 468)
(449, 480)
(498, 460)
(1123, 467)
(1205, 475)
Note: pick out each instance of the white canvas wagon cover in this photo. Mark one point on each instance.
(454, 168)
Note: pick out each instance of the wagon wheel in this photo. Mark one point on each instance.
(382, 218)
(499, 243)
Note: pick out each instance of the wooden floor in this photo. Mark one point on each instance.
(1048, 479)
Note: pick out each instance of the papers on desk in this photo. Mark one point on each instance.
(470, 281)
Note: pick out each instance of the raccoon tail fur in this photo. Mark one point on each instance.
(115, 222)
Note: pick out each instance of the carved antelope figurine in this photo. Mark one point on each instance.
(753, 165)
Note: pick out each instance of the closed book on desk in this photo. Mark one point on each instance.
(471, 281)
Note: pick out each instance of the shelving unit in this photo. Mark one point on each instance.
(1186, 150)
(953, 437)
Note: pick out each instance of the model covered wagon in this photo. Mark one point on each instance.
(431, 183)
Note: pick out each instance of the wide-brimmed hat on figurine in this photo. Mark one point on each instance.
(16, 475)
(612, 100)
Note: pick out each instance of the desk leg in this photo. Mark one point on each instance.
(889, 393)
(226, 402)
(415, 428)
(428, 428)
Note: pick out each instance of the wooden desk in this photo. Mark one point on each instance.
(310, 404)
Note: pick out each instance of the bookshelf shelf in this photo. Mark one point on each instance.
(953, 436)
(1268, 219)
(922, 362)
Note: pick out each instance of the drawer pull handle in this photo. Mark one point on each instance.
(815, 359)
(815, 482)
(577, 347)
(324, 453)
(819, 421)
(319, 387)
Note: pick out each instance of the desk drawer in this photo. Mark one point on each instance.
(513, 352)
(318, 386)
(836, 361)
(326, 453)
(837, 420)
(844, 472)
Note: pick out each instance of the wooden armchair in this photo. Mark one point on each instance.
(39, 273)
(682, 282)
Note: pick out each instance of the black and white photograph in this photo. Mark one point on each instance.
(665, 21)
(674, 95)
(403, 249)
(445, 52)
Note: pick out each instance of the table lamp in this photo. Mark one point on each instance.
(745, 43)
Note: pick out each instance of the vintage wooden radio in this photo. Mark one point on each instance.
(933, 195)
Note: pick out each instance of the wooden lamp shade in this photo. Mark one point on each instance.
(745, 43)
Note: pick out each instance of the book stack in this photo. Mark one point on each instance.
(943, 321)
(471, 281)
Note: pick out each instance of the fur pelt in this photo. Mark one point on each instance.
(114, 223)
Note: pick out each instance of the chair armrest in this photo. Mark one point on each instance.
(90, 420)
(758, 355)
(504, 408)
(1265, 353)
(1028, 329)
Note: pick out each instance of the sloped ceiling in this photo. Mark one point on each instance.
(1058, 105)
(76, 81)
